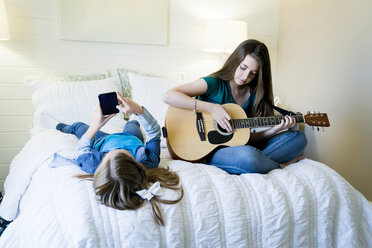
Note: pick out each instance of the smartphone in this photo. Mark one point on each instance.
(108, 102)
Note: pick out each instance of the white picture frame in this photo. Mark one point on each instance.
(123, 21)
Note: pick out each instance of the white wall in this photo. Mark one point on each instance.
(324, 64)
(35, 48)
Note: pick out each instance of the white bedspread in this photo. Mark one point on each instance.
(305, 205)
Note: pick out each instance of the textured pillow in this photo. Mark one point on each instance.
(69, 101)
(124, 80)
(126, 86)
(148, 91)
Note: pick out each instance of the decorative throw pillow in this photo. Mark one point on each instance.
(126, 85)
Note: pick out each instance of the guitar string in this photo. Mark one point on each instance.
(261, 121)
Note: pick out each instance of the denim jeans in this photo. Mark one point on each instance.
(260, 157)
(79, 129)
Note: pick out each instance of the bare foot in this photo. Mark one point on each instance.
(292, 161)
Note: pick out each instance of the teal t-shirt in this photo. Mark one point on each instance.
(117, 141)
(219, 91)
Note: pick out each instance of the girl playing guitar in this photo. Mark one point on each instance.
(244, 79)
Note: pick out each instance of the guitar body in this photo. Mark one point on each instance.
(183, 139)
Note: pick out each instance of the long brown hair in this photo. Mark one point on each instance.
(116, 182)
(261, 85)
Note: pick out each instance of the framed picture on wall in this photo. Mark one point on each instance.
(124, 21)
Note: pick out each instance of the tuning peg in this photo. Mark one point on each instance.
(317, 128)
(312, 128)
(308, 112)
(323, 129)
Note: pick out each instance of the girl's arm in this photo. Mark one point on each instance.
(127, 105)
(98, 121)
(146, 120)
(182, 97)
(86, 156)
(150, 153)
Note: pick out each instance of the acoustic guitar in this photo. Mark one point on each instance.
(192, 136)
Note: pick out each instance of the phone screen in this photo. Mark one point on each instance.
(108, 102)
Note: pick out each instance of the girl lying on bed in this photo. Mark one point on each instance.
(123, 169)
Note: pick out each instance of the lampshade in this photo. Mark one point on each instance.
(4, 30)
(223, 36)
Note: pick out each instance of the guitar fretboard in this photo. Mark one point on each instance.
(262, 121)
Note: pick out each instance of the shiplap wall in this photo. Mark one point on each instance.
(35, 48)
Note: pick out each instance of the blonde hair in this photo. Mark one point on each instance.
(261, 85)
(116, 182)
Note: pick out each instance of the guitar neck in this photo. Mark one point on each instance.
(262, 121)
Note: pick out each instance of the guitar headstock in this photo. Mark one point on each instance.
(317, 119)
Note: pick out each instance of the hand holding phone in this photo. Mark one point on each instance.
(129, 106)
(108, 103)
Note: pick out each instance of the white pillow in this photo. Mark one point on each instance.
(123, 76)
(148, 91)
(69, 102)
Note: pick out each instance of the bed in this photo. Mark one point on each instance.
(307, 204)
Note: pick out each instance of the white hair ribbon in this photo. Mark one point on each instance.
(147, 194)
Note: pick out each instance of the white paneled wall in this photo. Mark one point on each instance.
(35, 48)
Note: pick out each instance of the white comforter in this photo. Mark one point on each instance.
(305, 205)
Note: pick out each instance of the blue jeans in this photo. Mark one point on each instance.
(79, 129)
(260, 157)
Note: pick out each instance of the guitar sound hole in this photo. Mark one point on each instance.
(222, 129)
